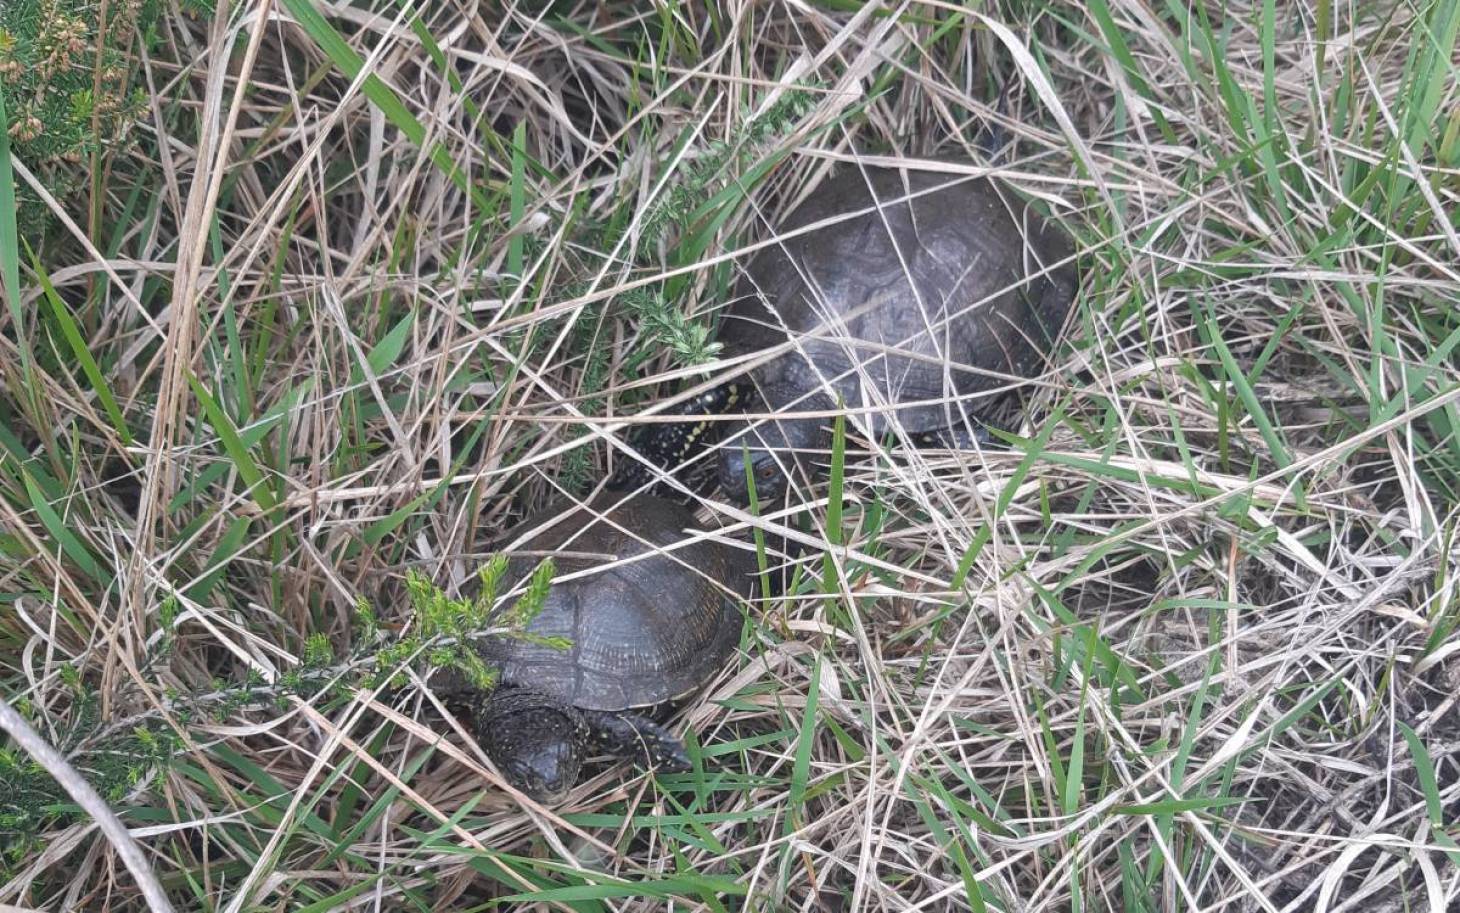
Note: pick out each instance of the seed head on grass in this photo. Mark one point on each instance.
(68, 82)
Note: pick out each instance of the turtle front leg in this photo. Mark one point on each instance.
(637, 739)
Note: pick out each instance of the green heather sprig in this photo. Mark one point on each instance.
(31, 800)
(698, 179)
(445, 627)
(116, 756)
(687, 340)
(70, 86)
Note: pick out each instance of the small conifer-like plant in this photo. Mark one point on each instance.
(719, 162)
(67, 79)
(119, 756)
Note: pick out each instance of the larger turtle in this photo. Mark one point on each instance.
(914, 296)
(639, 634)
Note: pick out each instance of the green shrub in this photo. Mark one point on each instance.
(68, 93)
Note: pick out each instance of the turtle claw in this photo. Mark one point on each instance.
(671, 758)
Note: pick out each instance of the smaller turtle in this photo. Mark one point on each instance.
(640, 636)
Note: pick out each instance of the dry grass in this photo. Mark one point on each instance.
(1189, 646)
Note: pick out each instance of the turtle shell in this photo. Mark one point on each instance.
(919, 286)
(641, 633)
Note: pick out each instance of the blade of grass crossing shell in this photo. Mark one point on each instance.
(72, 334)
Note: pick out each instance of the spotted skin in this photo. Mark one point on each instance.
(668, 447)
(537, 741)
(637, 739)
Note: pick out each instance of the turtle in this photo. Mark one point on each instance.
(910, 293)
(902, 291)
(640, 636)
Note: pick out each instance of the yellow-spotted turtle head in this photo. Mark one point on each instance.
(767, 452)
(670, 447)
(536, 740)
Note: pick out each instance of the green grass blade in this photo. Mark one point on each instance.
(72, 334)
(1424, 771)
(10, 237)
(243, 461)
(71, 546)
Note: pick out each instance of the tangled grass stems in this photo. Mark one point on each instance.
(1188, 643)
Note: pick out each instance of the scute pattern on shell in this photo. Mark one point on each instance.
(918, 297)
(642, 633)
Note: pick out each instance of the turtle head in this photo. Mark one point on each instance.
(770, 450)
(536, 741)
(668, 446)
